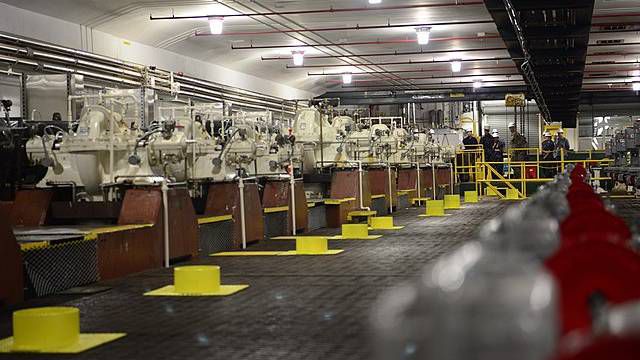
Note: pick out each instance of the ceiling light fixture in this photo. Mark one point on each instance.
(346, 78)
(424, 34)
(477, 84)
(298, 57)
(636, 86)
(215, 25)
(456, 66)
(375, 1)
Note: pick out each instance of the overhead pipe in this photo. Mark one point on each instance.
(386, 26)
(344, 28)
(377, 42)
(122, 68)
(454, 75)
(395, 53)
(320, 11)
(448, 69)
(70, 51)
(410, 62)
(441, 83)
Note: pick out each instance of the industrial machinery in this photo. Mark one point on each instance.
(318, 144)
(98, 148)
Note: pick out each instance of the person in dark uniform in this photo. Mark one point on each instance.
(518, 141)
(548, 154)
(562, 142)
(496, 152)
(469, 159)
(486, 141)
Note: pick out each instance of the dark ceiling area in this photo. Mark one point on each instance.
(555, 37)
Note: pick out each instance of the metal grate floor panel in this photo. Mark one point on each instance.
(298, 307)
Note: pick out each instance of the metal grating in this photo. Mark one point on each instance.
(59, 267)
(296, 308)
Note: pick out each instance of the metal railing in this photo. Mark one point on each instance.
(516, 174)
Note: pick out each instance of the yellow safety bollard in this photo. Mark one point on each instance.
(383, 223)
(197, 280)
(470, 197)
(355, 232)
(435, 208)
(512, 194)
(54, 330)
(451, 202)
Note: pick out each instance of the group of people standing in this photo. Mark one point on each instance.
(494, 149)
(551, 152)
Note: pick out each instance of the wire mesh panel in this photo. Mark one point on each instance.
(403, 201)
(379, 205)
(54, 268)
(317, 217)
(216, 237)
(275, 224)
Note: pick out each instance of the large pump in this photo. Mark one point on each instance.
(317, 142)
(97, 148)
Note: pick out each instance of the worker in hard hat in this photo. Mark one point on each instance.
(518, 141)
(496, 152)
(548, 170)
(486, 141)
(470, 143)
(431, 136)
(562, 143)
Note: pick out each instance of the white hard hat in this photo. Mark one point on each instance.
(560, 131)
(494, 133)
(431, 131)
(512, 124)
(546, 133)
(486, 127)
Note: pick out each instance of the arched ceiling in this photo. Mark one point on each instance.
(469, 33)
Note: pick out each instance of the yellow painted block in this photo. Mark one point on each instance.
(470, 196)
(247, 253)
(276, 209)
(451, 202)
(355, 232)
(338, 201)
(197, 280)
(491, 192)
(360, 213)
(383, 223)
(54, 330)
(378, 196)
(512, 194)
(312, 245)
(94, 233)
(434, 208)
(214, 219)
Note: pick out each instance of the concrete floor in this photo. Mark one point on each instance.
(298, 307)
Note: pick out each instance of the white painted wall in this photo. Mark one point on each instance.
(41, 27)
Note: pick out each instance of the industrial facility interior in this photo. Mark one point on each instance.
(297, 179)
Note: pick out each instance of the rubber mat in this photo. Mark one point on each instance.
(298, 307)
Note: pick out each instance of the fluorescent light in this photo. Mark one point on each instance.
(423, 33)
(346, 78)
(298, 57)
(215, 25)
(477, 84)
(636, 73)
(636, 86)
(456, 66)
(375, 1)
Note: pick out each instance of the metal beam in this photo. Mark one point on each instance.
(410, 62)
